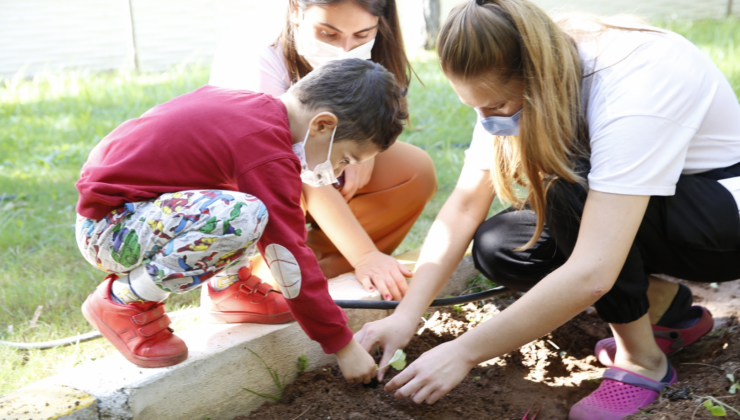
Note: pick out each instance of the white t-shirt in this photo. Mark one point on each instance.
(260, 69)
(662, 109)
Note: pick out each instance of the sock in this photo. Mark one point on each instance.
(669, 375)
(679, 307)
(137, 286)
(225, 278)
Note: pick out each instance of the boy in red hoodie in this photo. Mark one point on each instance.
(180, 198)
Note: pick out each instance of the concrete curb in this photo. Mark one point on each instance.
(49, 402)
(210, 383)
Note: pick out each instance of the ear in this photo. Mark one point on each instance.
(294, 12)
(322, 123)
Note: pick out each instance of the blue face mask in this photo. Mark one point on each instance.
(502, 126)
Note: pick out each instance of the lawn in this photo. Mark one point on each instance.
(51, 122)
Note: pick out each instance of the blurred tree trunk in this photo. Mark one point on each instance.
(431, 18)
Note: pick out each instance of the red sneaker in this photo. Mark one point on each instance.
(140, 331)
(247, 300)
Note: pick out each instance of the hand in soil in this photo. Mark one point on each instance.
(356, 364)
(392, 333)
(432, 375)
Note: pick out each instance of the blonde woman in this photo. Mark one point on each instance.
(627, 140)
(358, 224)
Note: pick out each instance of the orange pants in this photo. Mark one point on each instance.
(402, 183)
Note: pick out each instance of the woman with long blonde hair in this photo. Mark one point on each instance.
(626, 139)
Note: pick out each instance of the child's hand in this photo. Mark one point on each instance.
(356, 364)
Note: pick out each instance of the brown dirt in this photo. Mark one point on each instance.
(553, 373)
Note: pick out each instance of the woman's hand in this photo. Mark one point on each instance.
(392, 333)
(432, 375)
(356, 364)
(385, 272)
(356, 177)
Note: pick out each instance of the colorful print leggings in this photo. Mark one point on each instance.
(181, 239)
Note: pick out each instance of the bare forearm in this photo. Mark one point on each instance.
(551, 303)
(331, 212)
(589, 273)
(443, 249)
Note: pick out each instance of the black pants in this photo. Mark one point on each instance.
(693, 235)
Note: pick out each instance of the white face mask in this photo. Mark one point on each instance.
(323, 173)
(318, 53)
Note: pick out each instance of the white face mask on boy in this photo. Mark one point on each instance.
(318, 53)
(323, 173)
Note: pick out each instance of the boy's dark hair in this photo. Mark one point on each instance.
(368, 102)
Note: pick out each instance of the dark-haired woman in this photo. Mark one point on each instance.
(354, 227)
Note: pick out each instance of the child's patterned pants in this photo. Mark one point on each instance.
(180, 239)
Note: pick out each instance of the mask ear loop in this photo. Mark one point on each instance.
(328, 157)
(305, 139)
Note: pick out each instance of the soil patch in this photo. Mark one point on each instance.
(553, 373)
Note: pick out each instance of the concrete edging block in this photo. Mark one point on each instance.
(43, 402)
(211, 382)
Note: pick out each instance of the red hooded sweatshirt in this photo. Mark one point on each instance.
(220, 139)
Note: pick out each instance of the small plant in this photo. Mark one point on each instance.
(716, 410)
(398, 361)
(302, 363)
(735, 384)
(716, 407)
(275, 378)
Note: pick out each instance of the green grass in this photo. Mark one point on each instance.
(51, 122)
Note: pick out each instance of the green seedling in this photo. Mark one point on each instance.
(275, 378)
(716, 410)
(735, 384)
(716, 407)
(302, 363)
(398, 361)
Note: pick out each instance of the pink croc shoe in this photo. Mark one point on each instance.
(697, 323)
(620, 394)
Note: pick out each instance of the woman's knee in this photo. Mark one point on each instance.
(494, 251)
(404, 166)
(426, 174)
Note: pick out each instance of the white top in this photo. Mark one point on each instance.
(662, 109)
(733, 185)
(259, 70)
